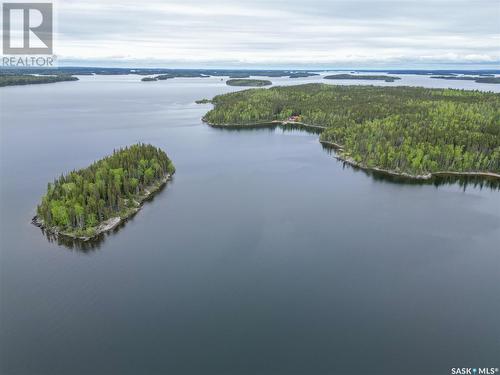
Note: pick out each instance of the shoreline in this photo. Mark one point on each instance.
(112, 222)
(426, 176)
(348, 160)
(266, 124)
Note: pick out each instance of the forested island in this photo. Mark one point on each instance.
(407, 131)
(95, 199)
(248, 82)
(363, 77)
(483, 79)
(163, 77)
(28, 79)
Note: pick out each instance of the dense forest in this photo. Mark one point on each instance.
(410, 130)
(115, 186)
(28, 79)
(248, 82)
(363, 77)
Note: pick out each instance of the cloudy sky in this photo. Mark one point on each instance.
(280, 33)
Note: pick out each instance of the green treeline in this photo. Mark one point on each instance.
(404, 129)
(27, 79)
(114, 186)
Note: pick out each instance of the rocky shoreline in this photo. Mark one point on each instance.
(426, 176)
(110, 223)
(266, 124)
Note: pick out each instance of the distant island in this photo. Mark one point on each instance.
(248, 82)
(232, 73)
(363, 77)
(171, 73)
(93, 200)
(412, 132)
(162, 77)
(482, 79)
(302, 74)
(239, 75)
(28, 79)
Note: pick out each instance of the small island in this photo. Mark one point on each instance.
(412, 132)
(90, 201)
(29, 79)
(363, 77)
(149, 79)
(248, 82)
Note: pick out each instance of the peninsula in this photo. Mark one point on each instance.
(93, 200)
(29, 79)
(413, 132)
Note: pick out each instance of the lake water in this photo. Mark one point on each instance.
(264, 255)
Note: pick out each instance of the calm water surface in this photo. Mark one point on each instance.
(263, 256)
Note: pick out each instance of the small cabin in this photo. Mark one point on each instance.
(294, 118)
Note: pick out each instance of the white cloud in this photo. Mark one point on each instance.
(294, 33)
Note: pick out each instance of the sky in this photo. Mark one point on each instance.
(279, 34)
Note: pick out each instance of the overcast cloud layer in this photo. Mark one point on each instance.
(292, 33)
